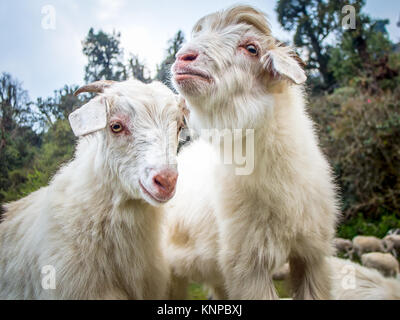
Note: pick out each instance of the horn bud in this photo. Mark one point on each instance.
(96, 87)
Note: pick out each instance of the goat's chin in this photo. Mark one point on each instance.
(148, 196)
(192, 86)
(151, 201)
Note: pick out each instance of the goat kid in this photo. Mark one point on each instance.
(233, 231)
(95, 228)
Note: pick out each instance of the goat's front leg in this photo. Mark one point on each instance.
(246, 266)
(252, 286)
(310, 278)
(245, 282)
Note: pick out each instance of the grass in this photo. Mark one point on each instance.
(197, 292)
(282, 289)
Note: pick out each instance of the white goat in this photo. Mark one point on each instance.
(94, 231)
(354, 282)
(364, 244)
(232, 231)
(385, 263)
(344, 246)
(392, 244)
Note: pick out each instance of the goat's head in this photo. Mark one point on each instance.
(389, 242)
(136, 128)
(233, 54)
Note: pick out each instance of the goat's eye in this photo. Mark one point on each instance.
(252, 49)
(116, 127)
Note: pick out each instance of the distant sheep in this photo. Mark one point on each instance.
(385, 263)
(351, 281)
(392, 244)
(94, 231)
(344, 246)
(243, 224)
(365, 244)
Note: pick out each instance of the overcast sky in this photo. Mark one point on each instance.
(45, 59)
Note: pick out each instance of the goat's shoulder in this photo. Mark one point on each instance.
(22, 206)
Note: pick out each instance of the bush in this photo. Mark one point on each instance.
(57, 148)
(369, 227)
(360, 135)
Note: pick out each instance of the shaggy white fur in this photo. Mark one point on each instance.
(354, 282)
(232, 231)
(95, 225)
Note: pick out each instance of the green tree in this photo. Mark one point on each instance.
(57, 107)
(58, 138)
(362, 56)
(313, 21)
(359, 134)
(137, 69)
(17, 139)
(163, 70)
(14, 106)
(105, 57)
(29, 159)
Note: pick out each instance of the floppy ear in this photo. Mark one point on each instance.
(284, 62)
(89, 118)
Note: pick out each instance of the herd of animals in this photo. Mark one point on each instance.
(129, 218)
(381, 254)
(378, 276)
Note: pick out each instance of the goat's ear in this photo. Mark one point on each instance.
(284, 62)
(89, 118)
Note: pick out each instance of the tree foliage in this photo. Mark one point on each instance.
(363, 56)
(105, 57)
(14, 107)
(17, 137)
(313, 21)
(137, 70)
(57, 107)
(163, 70)
(36, 137)
(360, 134)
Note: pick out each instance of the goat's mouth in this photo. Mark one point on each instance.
(152, 196)
(188, 74)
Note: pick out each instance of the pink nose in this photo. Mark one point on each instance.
(165, 182)
(187, 56)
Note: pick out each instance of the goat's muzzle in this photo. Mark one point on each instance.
(163, 184)
(186, 67)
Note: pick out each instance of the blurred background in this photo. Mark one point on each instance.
(49, 48)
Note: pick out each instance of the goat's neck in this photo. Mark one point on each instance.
(277, 118)
(95, 200)
(245, 153)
